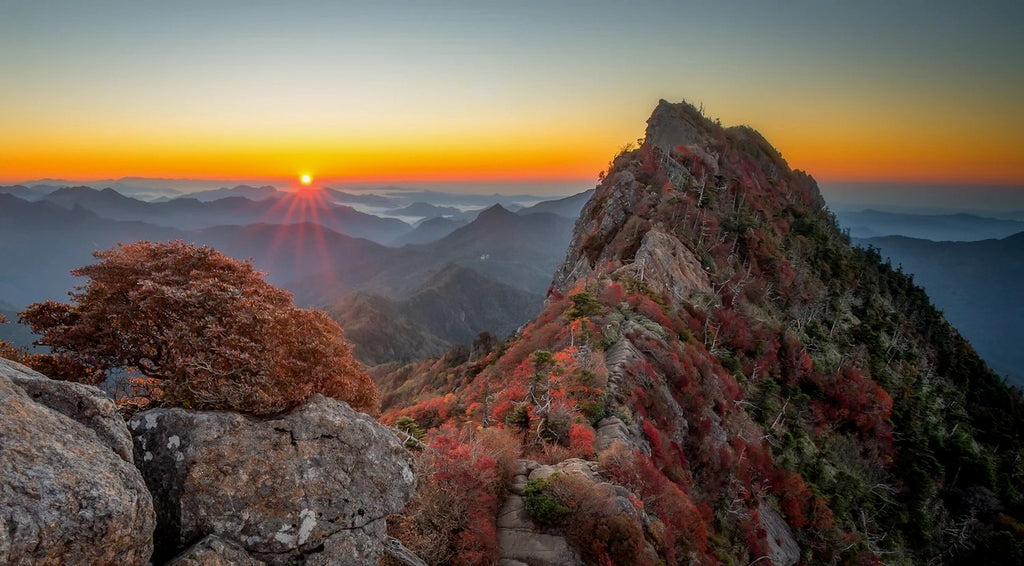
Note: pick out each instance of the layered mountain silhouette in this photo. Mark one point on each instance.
(32, 193)
(503, 257)
(430, 230)
(41, 241)
(192, 213)
(244, 191)
(569, 207)
(423, 209)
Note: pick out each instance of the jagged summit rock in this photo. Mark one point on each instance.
(679, 124)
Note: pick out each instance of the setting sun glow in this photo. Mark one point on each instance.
(465, 99)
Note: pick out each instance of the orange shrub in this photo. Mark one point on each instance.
(207, 327)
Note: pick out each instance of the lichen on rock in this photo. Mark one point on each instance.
(68, 493)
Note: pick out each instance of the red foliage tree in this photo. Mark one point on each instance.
(206, 327)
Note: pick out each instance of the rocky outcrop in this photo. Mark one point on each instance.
(523, 542)
(312, 486)
(673, 126)
(519, 540)
(68, 493)
(668, 267)
(612, 429)
(609, 230)
(603, 218)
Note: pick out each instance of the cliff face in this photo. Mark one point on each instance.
(765, 390)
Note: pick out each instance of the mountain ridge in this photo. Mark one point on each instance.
(761, 388)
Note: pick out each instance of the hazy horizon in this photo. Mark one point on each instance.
(896, 196)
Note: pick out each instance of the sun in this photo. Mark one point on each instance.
(306, 179)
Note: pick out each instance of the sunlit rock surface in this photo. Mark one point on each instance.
(313, 485)
(68, 491)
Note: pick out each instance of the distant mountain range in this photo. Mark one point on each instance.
(192, 213)
(497, 266)
(379, 333)
(41, 241)
(962, 227)
(244, 191)
(426, 210)
(324, 252)
(520, 251)
(978, 287)
(430, 230)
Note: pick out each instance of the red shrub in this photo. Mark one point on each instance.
(581, 440)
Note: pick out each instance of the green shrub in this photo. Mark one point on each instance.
(543, 508)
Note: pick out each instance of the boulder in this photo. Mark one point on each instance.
(586, 468)
(85, 404)
(67, 495)
(312, 486)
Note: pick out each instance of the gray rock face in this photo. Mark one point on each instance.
(680, 124)
(585, 468)
(215, 551)
(607, 222)
(312, 486)
(604, 216)
(65, 495)
(782, 547)
(668, 267)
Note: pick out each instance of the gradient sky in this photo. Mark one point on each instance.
(512, 90)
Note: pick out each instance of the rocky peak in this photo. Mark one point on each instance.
(770, 393)
(689, 174)
(680, 124)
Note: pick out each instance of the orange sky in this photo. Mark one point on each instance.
(521, 92)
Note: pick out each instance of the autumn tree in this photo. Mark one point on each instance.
(204, 329)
